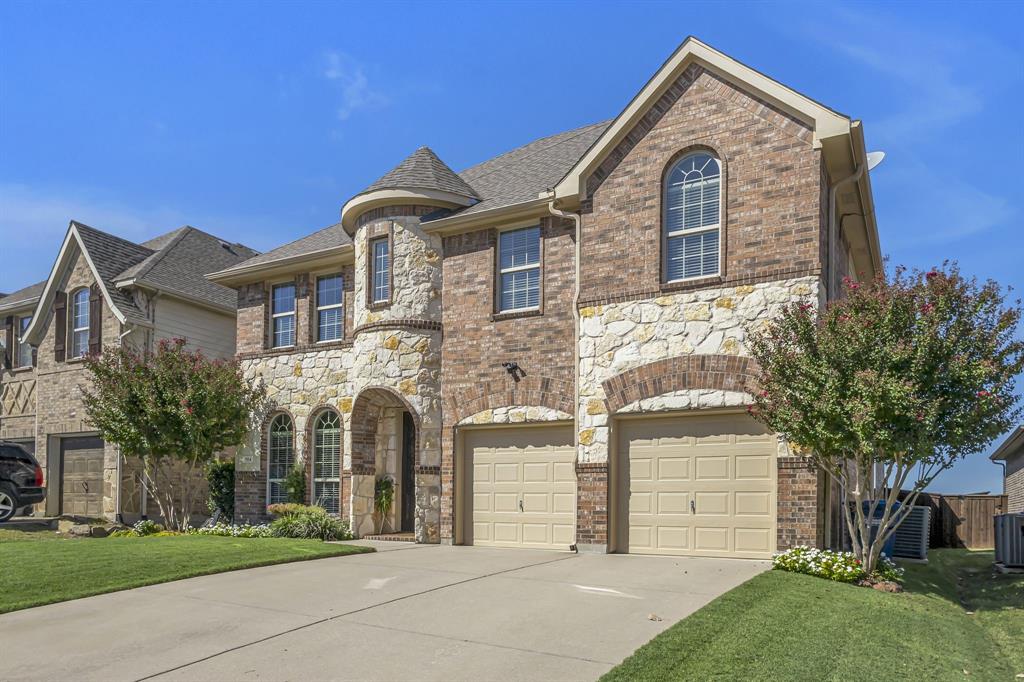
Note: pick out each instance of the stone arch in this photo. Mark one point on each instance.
(542, 391)
(366, 410)
(684, 372)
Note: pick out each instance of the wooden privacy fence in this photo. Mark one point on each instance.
(962, 520)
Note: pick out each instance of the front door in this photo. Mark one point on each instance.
(408, 473)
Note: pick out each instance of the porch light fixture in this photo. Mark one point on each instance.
(514, 370)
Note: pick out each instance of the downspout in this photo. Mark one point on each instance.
(118, 516)
(833, 190)
(577, 220)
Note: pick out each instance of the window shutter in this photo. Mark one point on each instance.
(60, 325)
(95, 323)
(8, 342)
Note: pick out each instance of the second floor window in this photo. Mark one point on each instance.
(380, 270)
(519, 269)
(692, 220)
(24, 350)
(330, 311)
(80, 324)
(282, 314)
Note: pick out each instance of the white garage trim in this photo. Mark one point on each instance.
(694, 483)
(516, 486)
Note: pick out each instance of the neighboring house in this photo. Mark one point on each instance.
(103, 291)
(549, 348)
(1011, 453)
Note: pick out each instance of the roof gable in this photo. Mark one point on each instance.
(824, 121)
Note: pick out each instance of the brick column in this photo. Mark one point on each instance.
(592, 506)
(800, 517)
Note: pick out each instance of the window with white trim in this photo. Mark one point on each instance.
(80, 324)
(24, 349)
(519, 269)
(282, 315)
(380, 270)
(330, 312)
(692, 220)
(327, 461)
(280, 457)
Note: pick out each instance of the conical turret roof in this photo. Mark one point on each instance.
(423, 169)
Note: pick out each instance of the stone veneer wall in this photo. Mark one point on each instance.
(394, 349)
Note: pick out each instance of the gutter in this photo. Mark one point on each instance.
(577, 219)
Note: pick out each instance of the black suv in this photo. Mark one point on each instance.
(21, 480)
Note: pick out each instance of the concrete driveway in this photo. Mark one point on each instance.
(407, 612)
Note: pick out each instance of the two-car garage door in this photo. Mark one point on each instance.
(701, 485)
(520, 487)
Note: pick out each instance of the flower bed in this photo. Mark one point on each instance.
(842, 567)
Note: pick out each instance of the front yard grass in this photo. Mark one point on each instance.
(55, 569)
(955, 621)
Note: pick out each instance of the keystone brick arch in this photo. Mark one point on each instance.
(684, 372)
(464, 401)
(363, 424)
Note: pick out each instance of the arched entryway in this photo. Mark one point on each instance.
(384, 445)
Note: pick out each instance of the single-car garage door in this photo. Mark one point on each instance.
(82, 479)
(700, 485)
(520, 487)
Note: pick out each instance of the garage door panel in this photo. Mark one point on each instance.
(708, 468)
(753, 503)
(753, 467)
(673, 503)
(531, 494)
(724, 464)
(82, 476)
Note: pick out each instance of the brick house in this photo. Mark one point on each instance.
(103, 291)
(1011, 454)
(548, 349)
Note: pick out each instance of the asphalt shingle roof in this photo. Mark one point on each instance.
(112, 255)
(423, 170)
(513, 177)
(22, 297)
(184, 258)
(330, 237)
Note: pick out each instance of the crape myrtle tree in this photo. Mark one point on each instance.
(174, 409)
(890, 385)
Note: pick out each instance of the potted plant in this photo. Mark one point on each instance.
(384, 498)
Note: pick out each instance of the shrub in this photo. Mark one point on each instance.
(220, 475)
(227, 530)
(310, 523)
(147, 527)
(285, 508)
(842, 567)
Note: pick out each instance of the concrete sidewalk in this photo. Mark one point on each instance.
(422, 612)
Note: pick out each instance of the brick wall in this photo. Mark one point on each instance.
(477, 340)
(253, 321)
(772, 191)
(800, 513)
(592, 504)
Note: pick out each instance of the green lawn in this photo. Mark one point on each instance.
(53, 569)
(783, 626)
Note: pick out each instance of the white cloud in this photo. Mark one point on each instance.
(349, 77)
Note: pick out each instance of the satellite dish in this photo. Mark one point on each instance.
(875, 158)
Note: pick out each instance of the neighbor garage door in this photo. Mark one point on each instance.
(82, 479)
(521, 487)
(698, 485)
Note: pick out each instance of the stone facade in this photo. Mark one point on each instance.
(389, 361)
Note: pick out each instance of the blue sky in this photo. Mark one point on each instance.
(256, 121)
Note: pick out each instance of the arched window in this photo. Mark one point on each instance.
(80, 323)
(327, 461)
(281, 457)
(692, 220)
